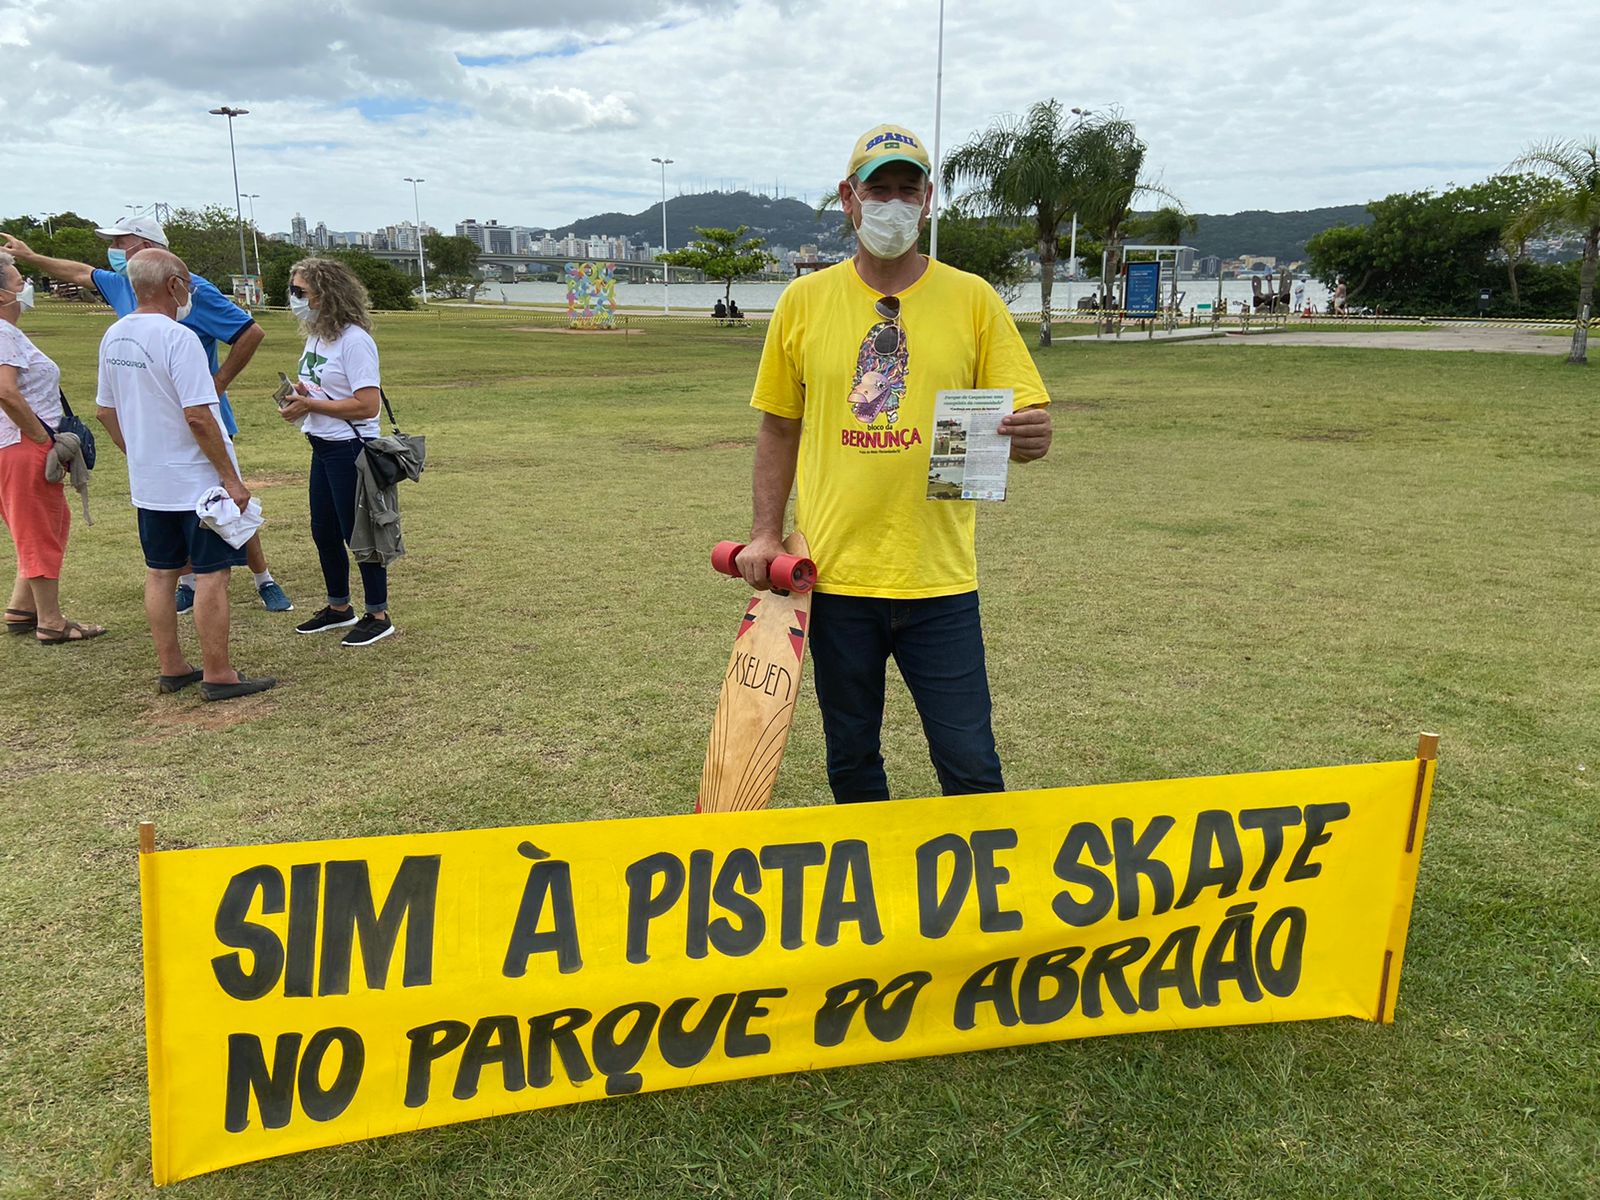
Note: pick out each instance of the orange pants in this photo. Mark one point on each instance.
(36, 512)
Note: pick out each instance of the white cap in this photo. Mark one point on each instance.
(146, 227)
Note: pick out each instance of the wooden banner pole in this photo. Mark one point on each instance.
(147, 837)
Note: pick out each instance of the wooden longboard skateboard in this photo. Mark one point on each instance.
(760, 686)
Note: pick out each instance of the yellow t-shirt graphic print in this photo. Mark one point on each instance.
(867, 432)
(880, 379)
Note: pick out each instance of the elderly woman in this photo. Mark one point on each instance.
(336, 404)
(35, 511)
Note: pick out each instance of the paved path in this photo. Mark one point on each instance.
(1131, 334)
(1492, 340)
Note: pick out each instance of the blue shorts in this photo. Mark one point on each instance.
(174, 540)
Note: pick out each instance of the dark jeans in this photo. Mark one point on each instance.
(938, 646)
(333, 516)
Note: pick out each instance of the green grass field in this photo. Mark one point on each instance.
(1197, 580)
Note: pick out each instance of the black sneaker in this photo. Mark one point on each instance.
(327, 618)
(368, 630)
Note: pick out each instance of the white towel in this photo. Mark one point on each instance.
(219, 513)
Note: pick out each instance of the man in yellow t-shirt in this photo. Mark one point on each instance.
(854, 357)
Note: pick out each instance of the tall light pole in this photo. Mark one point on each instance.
(1072, 253)
(231, 113)
(938, 111)
(666, 269)
(255, 238)
(416, 207)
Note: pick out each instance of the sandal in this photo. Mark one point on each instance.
(70, 632)
(28, 623)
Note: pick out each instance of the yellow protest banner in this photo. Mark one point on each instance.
(313, 993)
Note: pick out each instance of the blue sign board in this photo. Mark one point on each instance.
(1143, 289)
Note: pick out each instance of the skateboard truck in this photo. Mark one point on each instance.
(788, 572)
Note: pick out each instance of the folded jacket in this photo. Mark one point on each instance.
(65, 461)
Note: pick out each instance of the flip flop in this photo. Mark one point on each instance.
(60, 637)
(28, 625)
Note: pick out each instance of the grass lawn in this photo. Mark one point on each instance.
(1198, 580)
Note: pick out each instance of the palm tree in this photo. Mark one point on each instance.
(1575, 166)
(1022, 168)
(1040, 169)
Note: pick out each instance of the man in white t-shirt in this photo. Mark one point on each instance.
(160, 407)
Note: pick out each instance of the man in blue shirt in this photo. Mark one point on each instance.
(212, 318)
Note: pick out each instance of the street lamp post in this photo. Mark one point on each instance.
(231, 113)
(255, 238)
(1072, 252)
(666, 269)
(416, 208)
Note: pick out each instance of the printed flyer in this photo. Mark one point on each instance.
(970, 456)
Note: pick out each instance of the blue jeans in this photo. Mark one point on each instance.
(333, 516)
(938, 646)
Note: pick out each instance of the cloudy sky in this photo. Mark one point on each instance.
(538, 113)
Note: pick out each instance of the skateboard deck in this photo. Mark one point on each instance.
(759, 691)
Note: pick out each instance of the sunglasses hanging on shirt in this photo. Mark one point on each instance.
(891, 337)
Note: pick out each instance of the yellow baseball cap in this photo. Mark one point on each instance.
(885, 144)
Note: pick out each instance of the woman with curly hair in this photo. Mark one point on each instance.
(335, 403)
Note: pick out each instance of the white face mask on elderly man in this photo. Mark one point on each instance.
(184, 308)
(888, 227)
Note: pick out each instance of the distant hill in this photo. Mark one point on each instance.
(786, 223)
(791, 223)
(1280, 235)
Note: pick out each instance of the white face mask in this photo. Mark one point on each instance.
(888, 227)
(300, 307)
(25, 296)
(185, 307)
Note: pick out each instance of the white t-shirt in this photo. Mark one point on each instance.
(38, 379)
(336, 370)
(151, 370)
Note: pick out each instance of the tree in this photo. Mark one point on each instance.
(207, 240)
(277, 261)
(1575, 203)
(993, 249)
(1433, 253)
(1039, 169)
(387, 287)
(724, 254)
(1167, 226)
(1023, 169)
(1110, 164)
(74, 238)
(453, 260)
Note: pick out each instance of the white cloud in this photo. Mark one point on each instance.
(539, 113)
